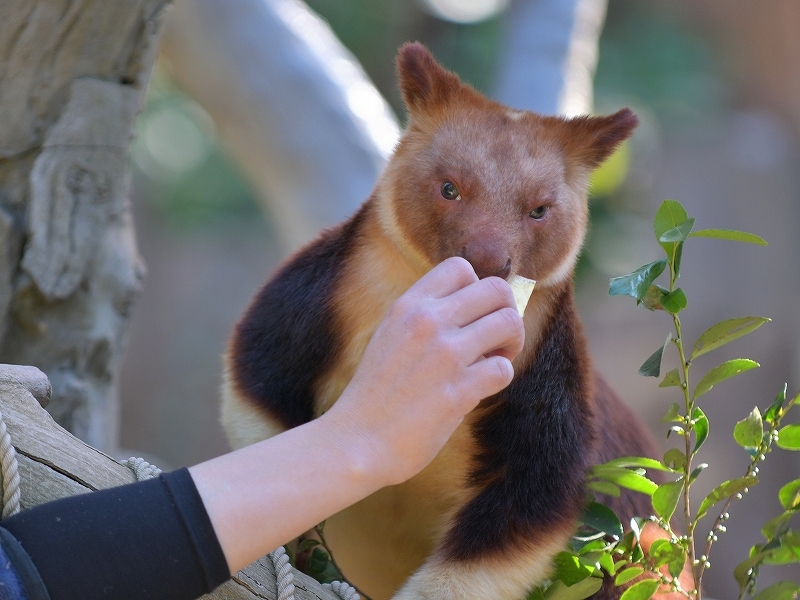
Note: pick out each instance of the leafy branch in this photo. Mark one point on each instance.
(601, 548)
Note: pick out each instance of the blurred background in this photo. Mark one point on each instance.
(717, 89)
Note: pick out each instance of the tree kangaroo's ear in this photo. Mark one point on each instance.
(589, 141)
(424, 83)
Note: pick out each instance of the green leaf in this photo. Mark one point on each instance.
(620, 563)
(673, 414)
(592, 548)
(724, 332)
(665, 498)
(590, 558)
(636, 528)
(627, 575)
(307, 545)
(730, 234)
(722, 372)
(772, 526)
(772, 411)
(605, 487)
(625, 478)
(321, 568)
(569, 569)
(583, 539)
(676, 429)
(579, 591)
(740, 572)
(701, 428)
(652, 366)
(671, 379)
(638, 283)
(536, 594)
(677, 253)
(675, 459)
(607, 562)
(723, 491)
(788, 553)
(696, 472)
(789, 437)
(643, 590)
(789, 495)
(600, 517)
(783, 590)
(749, 432)
(675, 301)
(665, 552)
(652, 299)
(668, 216)
(679, 233)
(637, 461)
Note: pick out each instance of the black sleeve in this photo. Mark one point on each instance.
(148, 540)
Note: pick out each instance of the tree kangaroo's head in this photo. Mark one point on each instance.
(503, 188)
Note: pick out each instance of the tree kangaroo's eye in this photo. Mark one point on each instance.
(449, 191)
(538, 213)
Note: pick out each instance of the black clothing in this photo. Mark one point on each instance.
(147, 540)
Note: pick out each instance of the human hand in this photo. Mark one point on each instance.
(442, 347)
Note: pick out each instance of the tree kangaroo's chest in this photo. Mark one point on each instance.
(381, 540)
(370, 281)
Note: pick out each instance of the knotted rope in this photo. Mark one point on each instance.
(141, 468)
(284, 578)
(343, 590)
(10, 472)
(284, 574)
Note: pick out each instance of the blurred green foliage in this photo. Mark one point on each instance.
(180, 170)
(651, 57)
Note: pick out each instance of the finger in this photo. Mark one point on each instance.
(485, 378)
(479, 299)
(501, 333)
(445, 278)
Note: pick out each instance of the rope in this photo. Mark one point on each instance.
(284, 579)
(284, 575)
(10, 472)
(141, 468)
(343, 590)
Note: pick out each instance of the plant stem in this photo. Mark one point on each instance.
(717, 523)
(687, 512)
(763, 449)
(689, 424)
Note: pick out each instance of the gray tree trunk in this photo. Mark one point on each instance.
(292, 104)
(550, 55)
(72, 79)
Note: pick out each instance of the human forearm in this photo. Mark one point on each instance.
(264, 495)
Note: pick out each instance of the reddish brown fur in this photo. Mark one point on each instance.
(504, 494)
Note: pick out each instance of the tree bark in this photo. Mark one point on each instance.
(72, 80)
(54, 464)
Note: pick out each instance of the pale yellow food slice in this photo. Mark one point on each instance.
(522, 287)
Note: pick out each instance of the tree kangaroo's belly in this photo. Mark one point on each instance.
(381, 540)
